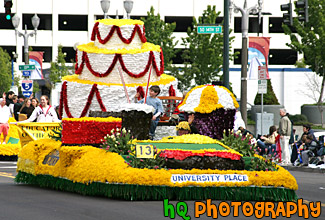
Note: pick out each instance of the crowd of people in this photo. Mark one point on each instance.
(280, 142)
(24, 110)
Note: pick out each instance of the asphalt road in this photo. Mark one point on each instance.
(24, 202)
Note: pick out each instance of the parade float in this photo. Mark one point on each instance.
(111, 157)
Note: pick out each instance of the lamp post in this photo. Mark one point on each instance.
(244, 54)
(35, 23)
(105, 6)
(128, 5)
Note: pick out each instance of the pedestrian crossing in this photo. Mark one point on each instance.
(8, 165)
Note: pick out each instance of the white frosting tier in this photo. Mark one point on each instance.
(135, 63)
(112, 96)
(115, 41)
(136, 107)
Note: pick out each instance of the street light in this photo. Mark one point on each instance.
(128, 5)
(35, 23)
(105, 6)
(244, 53)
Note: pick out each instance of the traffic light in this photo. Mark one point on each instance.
(302, 10)
(287, 17)
(8, 6)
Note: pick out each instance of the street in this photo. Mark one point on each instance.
(26, 202)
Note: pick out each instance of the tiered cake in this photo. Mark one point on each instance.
(120, 52)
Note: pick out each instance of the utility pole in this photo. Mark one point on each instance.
(226, 44)
(244, 53)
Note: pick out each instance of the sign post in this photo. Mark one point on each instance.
(262, 89)
(26, 84)
(27, 87)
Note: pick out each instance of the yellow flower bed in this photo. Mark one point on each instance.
(10, 149)
(164, 80)
(88, 164)
(86, 119)
(91, 48)
(120, 22)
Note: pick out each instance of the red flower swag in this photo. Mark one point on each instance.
(64, 101)
(181, 154)
(151, 59)
(89, 132)
(95, 33)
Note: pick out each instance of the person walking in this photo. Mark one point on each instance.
(285, 132)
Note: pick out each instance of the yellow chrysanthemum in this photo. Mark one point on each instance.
(183, 125)
(164, 80)
(120, 22)
(88, 164)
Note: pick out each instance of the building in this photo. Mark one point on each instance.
(68, 22)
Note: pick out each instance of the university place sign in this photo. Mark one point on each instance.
(199, 178)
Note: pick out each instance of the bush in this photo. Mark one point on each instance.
(299, 119)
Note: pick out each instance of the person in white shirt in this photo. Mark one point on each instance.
(44, 112)
(4, 118)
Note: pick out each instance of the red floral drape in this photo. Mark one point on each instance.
(118, 57)
(95, 33)
(64, 101)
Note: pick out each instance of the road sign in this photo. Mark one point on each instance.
(27, 67)
(26, 73)
(209, 29)
(262, 86)
(27, 87)
(262, 72)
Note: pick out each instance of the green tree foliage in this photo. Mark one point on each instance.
(58, 68)
(309, 40)
(269, 98)
(203, 55)
(160, 33)
(5, 71)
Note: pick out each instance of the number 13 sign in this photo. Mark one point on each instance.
(144, 151)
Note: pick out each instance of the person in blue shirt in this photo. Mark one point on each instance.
(157, 104)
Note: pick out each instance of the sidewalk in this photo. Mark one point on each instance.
(304, 169)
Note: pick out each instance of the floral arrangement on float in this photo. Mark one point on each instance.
(115, 171)
(10, 150)
(214, 108)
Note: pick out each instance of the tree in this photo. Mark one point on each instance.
(269, 98)
(310, 41)
(203, 55)
(58, 68)
(160, 33)
(5, 71)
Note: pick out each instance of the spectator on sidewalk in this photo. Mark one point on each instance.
(310, 150)
(44, 112)
(285, 129)
(4, 118)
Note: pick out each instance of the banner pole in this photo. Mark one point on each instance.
(123, 82)
(145, 97)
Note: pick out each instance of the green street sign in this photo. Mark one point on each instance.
(209, 29)
(27, 67)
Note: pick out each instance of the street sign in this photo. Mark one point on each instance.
(262, 72)
(26, 73)
(27, 87)
(27, 67)
(209, 29)
(262, 86)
